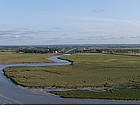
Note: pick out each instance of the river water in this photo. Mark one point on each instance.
(11, 94)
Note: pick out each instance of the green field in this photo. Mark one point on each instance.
(14, 58)
(88, 70)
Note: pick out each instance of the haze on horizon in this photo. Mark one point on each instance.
(40, 22)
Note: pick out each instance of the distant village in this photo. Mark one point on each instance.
(103, 48)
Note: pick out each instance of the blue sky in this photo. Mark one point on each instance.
(41, 22)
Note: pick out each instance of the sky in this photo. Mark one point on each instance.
(44, 22)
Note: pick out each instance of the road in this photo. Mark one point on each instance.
(11, 94)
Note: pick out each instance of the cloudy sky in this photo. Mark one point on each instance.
(40, 22)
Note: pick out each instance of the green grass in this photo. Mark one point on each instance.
(88, 70)
(13, 58)
(121, 94)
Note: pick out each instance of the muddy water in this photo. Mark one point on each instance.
(11, 94)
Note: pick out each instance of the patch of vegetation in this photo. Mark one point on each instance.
(120, 94)
(41, 50)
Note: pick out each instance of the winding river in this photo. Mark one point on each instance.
(11, 94)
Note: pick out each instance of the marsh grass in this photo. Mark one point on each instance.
(120, 94)
(87, 70)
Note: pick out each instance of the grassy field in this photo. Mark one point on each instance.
(13, 57)
(121, 94)
(88, 70)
